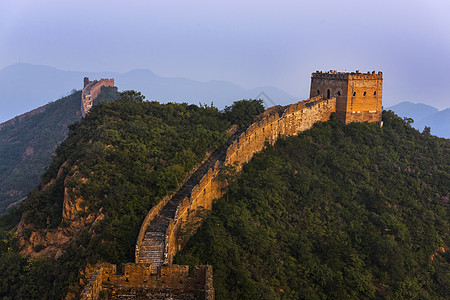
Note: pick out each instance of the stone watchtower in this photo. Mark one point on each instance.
(91, 90)
(358, 95)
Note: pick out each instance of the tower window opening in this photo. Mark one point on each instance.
(354, 94)
(328, 94)
(375, 93)
(339, 93)
(318, 92)
(365, 93)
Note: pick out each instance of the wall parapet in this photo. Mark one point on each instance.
(273, 123)
(92, 290)
(90, 92)
(155, 210)
(174, 279)
(290, 120)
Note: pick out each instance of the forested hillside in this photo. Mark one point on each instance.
(337, 212)
(114, 166)
(27, 146)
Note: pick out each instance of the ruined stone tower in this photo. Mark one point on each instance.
(91, 90)
(358, 95)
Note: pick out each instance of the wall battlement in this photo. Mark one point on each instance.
(358, 95)
(90, 92)
(173, 280)
(345, 75)
(354, 97)
(274, 123)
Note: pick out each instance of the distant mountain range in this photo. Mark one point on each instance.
(425, 115)
(25, 87)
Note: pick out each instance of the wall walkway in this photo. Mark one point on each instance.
(91, 91)
(171, 222)
(175, 219)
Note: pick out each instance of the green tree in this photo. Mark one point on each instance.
(243, 112)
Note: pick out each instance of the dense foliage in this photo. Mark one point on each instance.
(243, 112)
(107, 94)
(26, 147)
(128, 154)
(337, 212)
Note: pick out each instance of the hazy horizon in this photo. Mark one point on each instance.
(251, 44)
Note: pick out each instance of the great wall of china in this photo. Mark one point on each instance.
(91, 90)
(354, 97)
(170, 223)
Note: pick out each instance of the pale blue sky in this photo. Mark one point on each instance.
(251, 43)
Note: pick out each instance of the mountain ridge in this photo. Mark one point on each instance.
(27, 86)
(425, 115)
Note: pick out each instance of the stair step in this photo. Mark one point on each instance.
(152, 248)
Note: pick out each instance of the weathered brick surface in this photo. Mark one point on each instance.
(355, 97)
(91, 91)
(358, 95)
(136, 281)
(178, 216)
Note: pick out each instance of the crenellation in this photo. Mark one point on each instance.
(186, 207)
(173, 279)
(91, 91)
(354, 91)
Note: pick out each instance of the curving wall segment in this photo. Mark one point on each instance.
(275, 122)
(91, 91)
(174, 282)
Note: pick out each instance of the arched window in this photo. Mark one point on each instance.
(318, 92)
(339, 93)
(365, 93)
(375, 93)
(328, 94)
(354, 94)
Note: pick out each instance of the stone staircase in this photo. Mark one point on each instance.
(162, 235)
(153, 246)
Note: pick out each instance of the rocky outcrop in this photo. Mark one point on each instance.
(75, 217)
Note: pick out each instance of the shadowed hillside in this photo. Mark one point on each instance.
(27, 146)
(28, 142)
(337, 212)
(353, 211)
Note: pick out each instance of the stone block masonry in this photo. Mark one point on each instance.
(170, 223)
(136, 281)
(175, 219)
(354, 97)
(90, 92)
(358, 95)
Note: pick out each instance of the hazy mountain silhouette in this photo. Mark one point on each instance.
(25, 87)
(425, 115)
(439, 123)
(416, 111)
